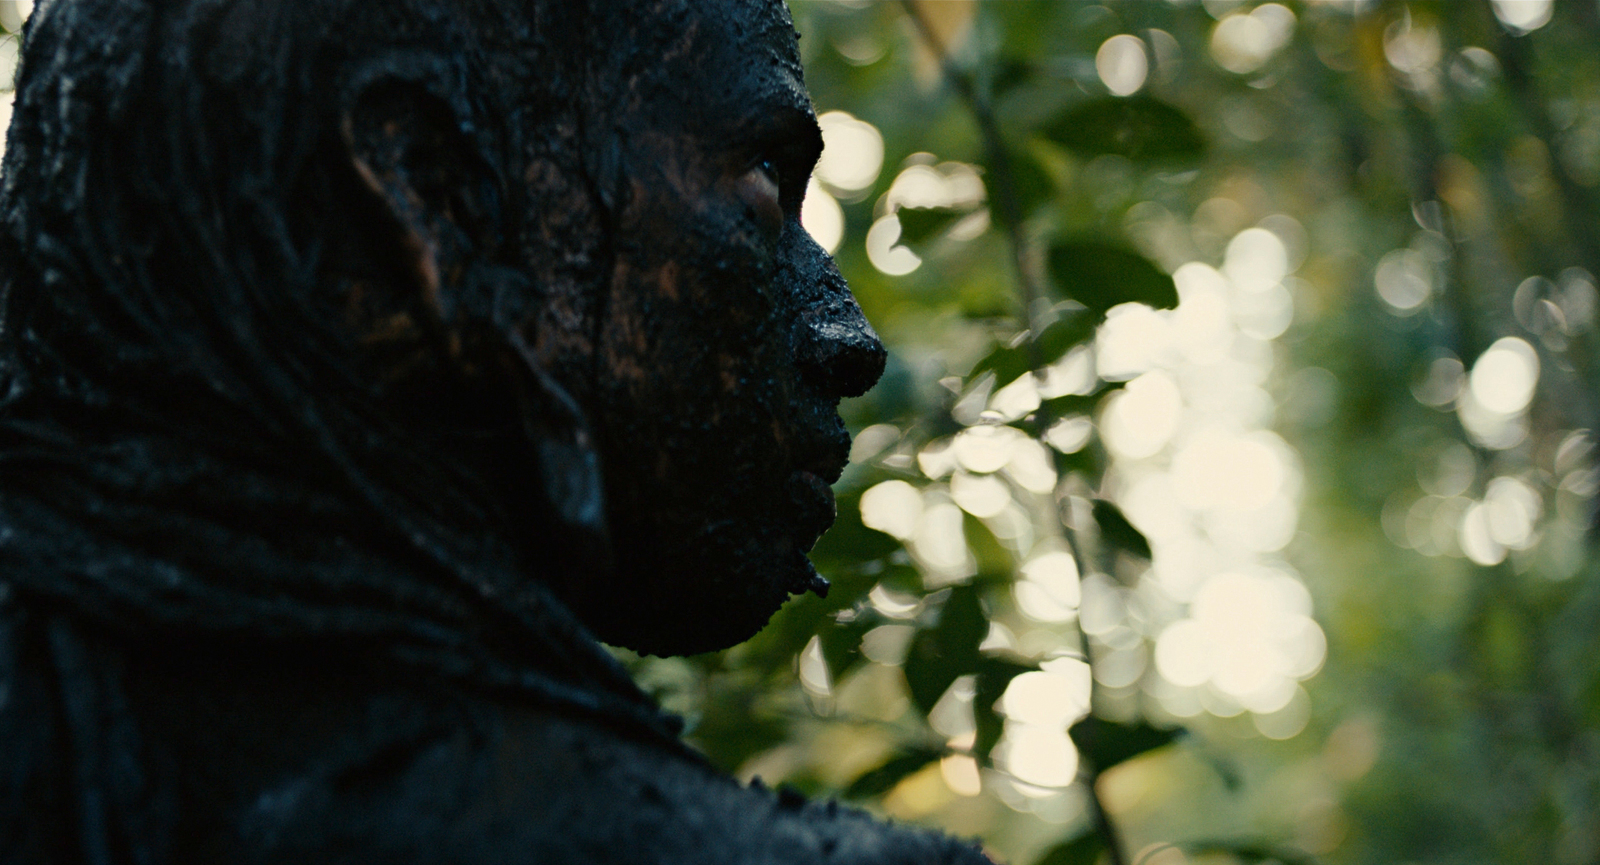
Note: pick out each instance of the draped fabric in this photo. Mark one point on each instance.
(187, 452)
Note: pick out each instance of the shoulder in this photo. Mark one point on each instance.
(307, 757)
(529, 786)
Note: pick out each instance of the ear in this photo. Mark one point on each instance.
(411, 142)
(568, 461)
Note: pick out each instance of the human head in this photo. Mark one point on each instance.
(461, 252)
(725, 337)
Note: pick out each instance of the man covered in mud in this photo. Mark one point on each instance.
(358, 362)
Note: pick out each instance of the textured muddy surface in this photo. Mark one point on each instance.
(357, 362)
(725, 337)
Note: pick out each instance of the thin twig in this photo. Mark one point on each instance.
(1103, 826)
(1002, 177)
(1002, 180)
(1578, 207)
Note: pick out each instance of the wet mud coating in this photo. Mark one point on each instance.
(360, 364)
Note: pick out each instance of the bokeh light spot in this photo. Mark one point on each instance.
(1244, 41)
(884, 251)
(1016, 399)
(1412, 50)
(1031, 466)
(852, 153)
(961, 774)
(887, 644)
(892, 507)
(979, 495)
(1048, 590)
(940, 545)
(1511, 510)
(814, 674)
(986, 448)
(1523, 16)
(1477, 543)
(1256, 260)
(1122, 64)
(1504, 377)
(1050, 699)
(1404, 280)
(1070, 434)
(1288, 721)
(1141, 420)
(1042, 756)
(822, 217)
(1133, 339)
(1219, 470)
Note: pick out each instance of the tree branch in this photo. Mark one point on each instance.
(1002, 177)
(1002, 180)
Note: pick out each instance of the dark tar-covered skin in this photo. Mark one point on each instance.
(358, 363)
(723, 342)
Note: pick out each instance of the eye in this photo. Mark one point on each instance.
(770, 169)
(765, 177)
(760, 188)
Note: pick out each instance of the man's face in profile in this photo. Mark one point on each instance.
(712, 365)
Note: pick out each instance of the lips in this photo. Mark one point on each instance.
(826, 459)
(812, 513)
(817, 468)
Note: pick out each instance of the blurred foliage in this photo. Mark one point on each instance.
(1263, 311)
(1346, 247)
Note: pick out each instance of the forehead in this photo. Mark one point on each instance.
(758, 33)
(727, 58)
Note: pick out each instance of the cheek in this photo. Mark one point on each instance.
(695, 319)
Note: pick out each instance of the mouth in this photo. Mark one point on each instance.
(815, 482)
(815, 501)
(814, 512)
(826, 461)
(812, 481)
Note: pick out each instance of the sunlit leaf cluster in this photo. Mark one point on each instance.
(1226, 496)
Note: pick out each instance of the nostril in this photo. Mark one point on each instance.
(840, 353)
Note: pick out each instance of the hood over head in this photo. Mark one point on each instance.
(226, 408)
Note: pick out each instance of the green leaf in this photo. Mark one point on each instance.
(1088, 462)
(1107, 743)
(1062, 406)
(1100, 276)
(1227, 770)
(1249, 852)
(1072, 329)
(948, 650)
(849, 541)
(1117, 531)
(919, 225)
(1141, 128)
(808, 615)
(994, 562)
(730, 730)
(1007, 364)
(1009, 73)
(841, 643)
(1031, 183)
(902, 578)
(994, 674)
(1082, 850)
(882, 779)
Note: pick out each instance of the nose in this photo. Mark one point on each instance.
(839, 352)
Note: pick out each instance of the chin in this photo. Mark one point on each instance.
(703, 591)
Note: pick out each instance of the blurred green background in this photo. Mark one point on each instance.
(1227, 498)
(1241, 384)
